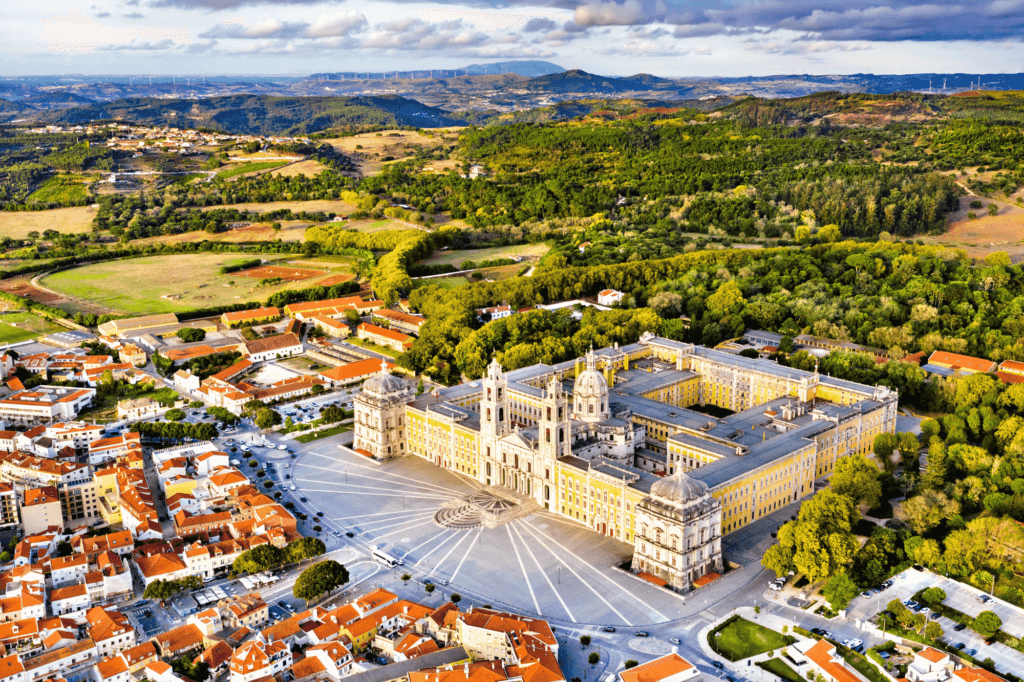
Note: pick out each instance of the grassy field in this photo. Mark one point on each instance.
(139, 285)
(323, 433)
(58, 188)
(242, 169)
(443, 282)
(778, 667)
(375, 226)
(502, 272)
(18, 327)
(327, 206)
(456, 258)
(291, 231)
(740, 638)
(74, 220)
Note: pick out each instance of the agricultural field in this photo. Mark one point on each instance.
(372, 150)
(58, 189)
(374, 225)
(528, 252)
(327, 206)
(162, 284)
(246, 168)
(291, 231)
(309, 168)
(22, 326)
(985, 234)
(74, 220)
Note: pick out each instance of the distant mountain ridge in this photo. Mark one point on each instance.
(257, 114)
(528, 69)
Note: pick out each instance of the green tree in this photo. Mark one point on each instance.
(840, 591)
(787, 345)
(829, 233)
(585, 640)
(594, 658)
(987, 623)
(191, 334)
(630, 663)
(319, 579)
(927, 510)
(934, 475)
(162, 590)
(933, 595)
(856, 477)
(456, 597)
(259, 559)
(305, 548)
(429, 587)
(726, 300)
(820, 543)
(998, 258)
(933, 630)
(993, 209)
(174, 415)
(267, 418)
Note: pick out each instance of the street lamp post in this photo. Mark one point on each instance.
(718, 648)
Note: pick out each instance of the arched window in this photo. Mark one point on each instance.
(591, 408)
(547, 435)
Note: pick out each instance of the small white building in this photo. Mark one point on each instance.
(610, 297)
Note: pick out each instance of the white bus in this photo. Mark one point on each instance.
(384, 558)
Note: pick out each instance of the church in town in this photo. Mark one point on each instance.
(660, 444)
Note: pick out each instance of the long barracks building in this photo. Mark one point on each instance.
(610, 441)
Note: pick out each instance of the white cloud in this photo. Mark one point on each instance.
(82, 34)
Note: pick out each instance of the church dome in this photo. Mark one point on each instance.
(590, 382)
(384, 383)
(679, 488)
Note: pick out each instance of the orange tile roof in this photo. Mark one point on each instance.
(272, 343)
(941, 357)
(822, 654)
(255, 314)
(658, 669)
(1010, 377)
(179, 639)
(400, 317)
(139, 653)
(977, 675)
(386, 333)
(293, 308)
(931, 655)
(355, 369)
(179, 354)
(109, 667)
(1011, 366)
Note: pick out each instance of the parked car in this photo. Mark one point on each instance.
(717, 664)
(959, 627)
(641, 633)
(608, 628)
(959, 646)
(676, 640)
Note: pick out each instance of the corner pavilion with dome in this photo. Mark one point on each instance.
(608, 441)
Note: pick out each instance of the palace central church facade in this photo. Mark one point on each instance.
(622, 441)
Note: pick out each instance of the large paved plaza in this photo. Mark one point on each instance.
(535, 564)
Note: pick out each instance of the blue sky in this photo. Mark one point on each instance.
(615, 37)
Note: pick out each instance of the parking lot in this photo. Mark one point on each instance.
(961, 597)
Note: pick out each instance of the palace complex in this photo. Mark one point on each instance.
(610, 441)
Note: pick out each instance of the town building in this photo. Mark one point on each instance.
(610, 297)
(273, 347)
(387, 338)
(668, 668)
(133, 354)
(336, 329)
(45, 404)
(244, 318)
(41, 510)
(399, 321)
(354, 372)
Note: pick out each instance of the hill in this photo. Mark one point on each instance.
(259, 114)
(581, 82)
(523, 68)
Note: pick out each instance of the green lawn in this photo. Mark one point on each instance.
(778, 667)
(443, 282)
(323, 433)
(740, 638)
(861, 664)
(28, 327)
(374, 347)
